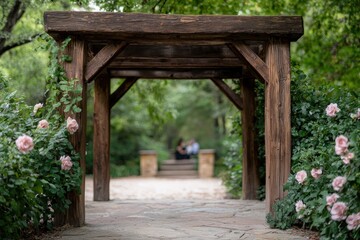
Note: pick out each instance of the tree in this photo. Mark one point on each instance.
(15, 27)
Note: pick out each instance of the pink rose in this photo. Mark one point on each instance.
(24, 143)
(332, 109)
(341, 145)
(43, 124)
(66, 163)
(338, 183)
(37, 107)
(299, 205)
(353, 221)
(316, 172)
(301, 176)
(346, 158)
(71, 125)
(338, 211)
(330, 200)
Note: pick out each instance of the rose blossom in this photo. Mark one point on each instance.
(43, 124)
(338, 183)
(355, 115)
(301, 176)
(338, 211)
(299, 205)
(346, 158)
(341, 144)
(353, 221)
(332, 109)
(331, 199)
(24, 143)
(37, 107)
(71, 125)
(66, 163)
(316, 172)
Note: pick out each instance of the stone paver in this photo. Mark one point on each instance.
(174, 217)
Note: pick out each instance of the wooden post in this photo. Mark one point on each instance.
(148, 163)
(206, 163)
(277, 120)
(101, 162)
(76, 49)
(250, 177)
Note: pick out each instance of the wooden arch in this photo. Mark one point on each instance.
(133, 46)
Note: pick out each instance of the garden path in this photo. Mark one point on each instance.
(156, 208)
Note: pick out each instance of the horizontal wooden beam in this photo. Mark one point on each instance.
(181, 51)
(176, 73)
(138, 26)
(102, 59)
(121, 62)
(229, 93)
(255, 63)
(121, 90)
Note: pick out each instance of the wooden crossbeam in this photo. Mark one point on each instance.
(121, 90)
(141, 62)
(258, 66)
(229, 93)
(102, 59)
(176, 73)
(171, 26)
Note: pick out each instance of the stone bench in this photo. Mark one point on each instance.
(149, 164)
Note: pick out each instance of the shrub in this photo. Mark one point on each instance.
(38, 165)
(316, 162)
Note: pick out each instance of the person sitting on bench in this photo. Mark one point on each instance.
(180, 152)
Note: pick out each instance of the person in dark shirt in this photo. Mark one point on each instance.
(180, 152)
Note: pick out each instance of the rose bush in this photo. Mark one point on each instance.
(326, 145)
(34, 181)
(332, 196)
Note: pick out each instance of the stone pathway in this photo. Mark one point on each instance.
(184, 212)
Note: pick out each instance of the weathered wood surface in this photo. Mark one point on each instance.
(250, 162)
(183, 51)
(277, 120)
(101, 148)
(229, 93)
(102, 59)
(121, 90)
(258, 66)
(76, 49)
(176, 73)
(176, 63)
(139, 27)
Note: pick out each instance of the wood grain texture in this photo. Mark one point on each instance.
(101, 147)
(141, 62)
(176, 73)
(277, 120)
(76, 49)
(250, 162)
(122, 90)
(229, 93)
(160, 26)
(102, 59)
(258, 66)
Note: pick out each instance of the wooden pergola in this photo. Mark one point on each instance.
(143, 46)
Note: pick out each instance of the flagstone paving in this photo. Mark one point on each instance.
(176, 217)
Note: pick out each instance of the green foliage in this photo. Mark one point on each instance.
(284, 214)
(232, 176)
(313, 135)
(171, 6)
(34, 185)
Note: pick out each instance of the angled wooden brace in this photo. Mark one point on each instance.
(121, 90)
(102, 59)
(257, 65)
(229, 93)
